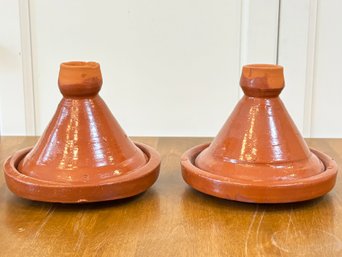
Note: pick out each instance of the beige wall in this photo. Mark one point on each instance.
(171, 67)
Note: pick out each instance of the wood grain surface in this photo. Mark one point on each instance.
(171, 219)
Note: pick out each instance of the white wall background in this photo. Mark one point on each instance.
(12, 113)
(171, 68)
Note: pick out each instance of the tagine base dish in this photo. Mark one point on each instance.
(122, 186)
(278, 191)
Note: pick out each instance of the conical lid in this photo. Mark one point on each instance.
(259, 141)
(83, 142)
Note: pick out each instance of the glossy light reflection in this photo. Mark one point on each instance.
(249, 137)
(275, 143)
(71, 140)
(97, 148)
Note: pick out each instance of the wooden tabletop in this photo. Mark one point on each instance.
(171, 219)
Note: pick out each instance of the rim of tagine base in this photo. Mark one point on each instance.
(122, 186)
(258, 191)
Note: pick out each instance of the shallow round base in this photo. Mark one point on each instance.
(258, 191)
(123, 186)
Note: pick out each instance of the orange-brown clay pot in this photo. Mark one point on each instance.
(83, 155)
(259, 155)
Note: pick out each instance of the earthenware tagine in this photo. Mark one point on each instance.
(83, 155)
(259, 155)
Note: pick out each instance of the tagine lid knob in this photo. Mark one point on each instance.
(262, 80)
(77, 79)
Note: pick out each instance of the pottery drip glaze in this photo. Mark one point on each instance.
(84, 145)
(259, 154)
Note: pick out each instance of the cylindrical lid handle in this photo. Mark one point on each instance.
(262, 80)
(78, 79)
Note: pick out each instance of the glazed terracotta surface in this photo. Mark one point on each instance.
(83, 146)
(259, 155)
